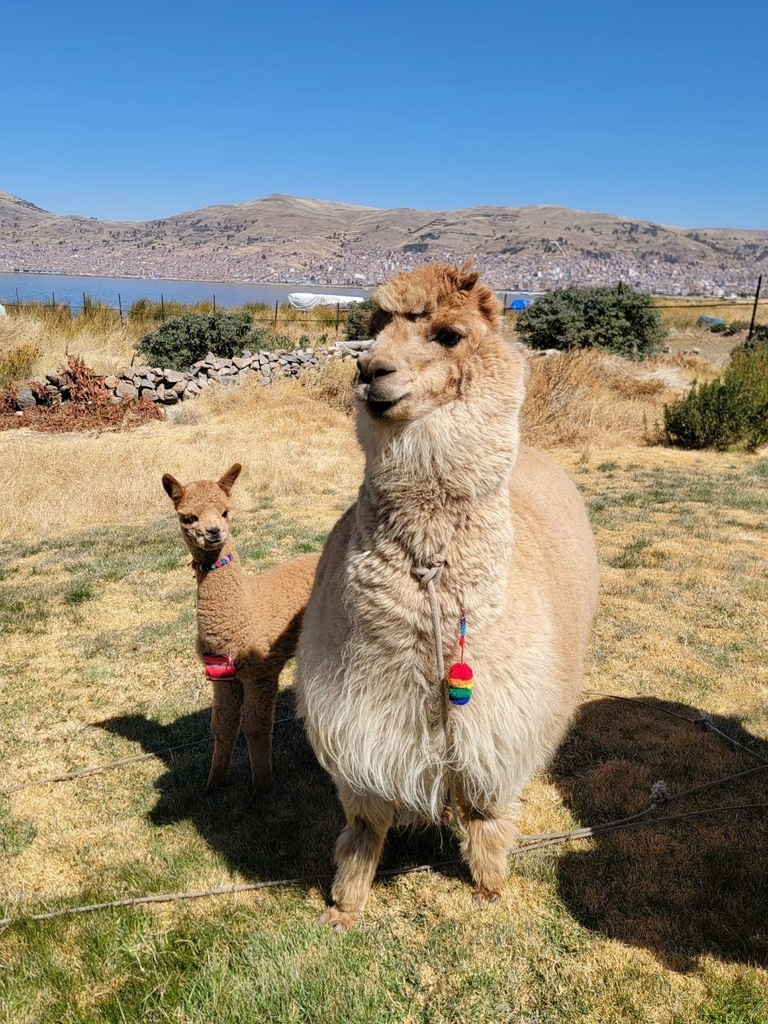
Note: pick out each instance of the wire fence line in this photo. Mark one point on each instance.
(508, 299)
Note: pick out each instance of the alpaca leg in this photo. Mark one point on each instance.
(358, 851)
(486, 849)
(258, 715)
(225, 722)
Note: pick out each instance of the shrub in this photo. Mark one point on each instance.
(17, 364)
(618, 319)
(729, 411)
(179, 343)
(358, 324)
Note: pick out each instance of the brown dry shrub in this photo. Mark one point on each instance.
(583, 396)
(90, 406)
(332, 382)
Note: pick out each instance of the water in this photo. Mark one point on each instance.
(68, 291)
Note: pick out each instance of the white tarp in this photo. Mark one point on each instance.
(308, 300)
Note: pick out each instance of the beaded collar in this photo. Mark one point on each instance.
(224, 560)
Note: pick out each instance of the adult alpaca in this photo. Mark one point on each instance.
(447, 486)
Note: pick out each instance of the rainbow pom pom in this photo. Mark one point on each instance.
(460, 683)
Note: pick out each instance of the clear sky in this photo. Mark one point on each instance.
(141, 110)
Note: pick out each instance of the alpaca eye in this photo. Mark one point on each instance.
(224, 514)
(447, 338)
(188, 520)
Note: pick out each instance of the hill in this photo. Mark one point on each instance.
(286, 238)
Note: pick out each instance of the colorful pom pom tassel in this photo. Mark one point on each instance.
(460, 682)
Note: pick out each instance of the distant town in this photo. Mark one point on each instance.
(523, 272)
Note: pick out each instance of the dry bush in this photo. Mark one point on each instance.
(332, 382)
(579, 397)
(90, 406)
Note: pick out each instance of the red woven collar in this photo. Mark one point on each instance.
(224, 560)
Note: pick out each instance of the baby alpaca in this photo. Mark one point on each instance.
(247, 627)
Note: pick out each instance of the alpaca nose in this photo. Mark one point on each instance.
(212, 533)
(369, 368)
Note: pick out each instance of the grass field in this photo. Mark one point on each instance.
(663, 924)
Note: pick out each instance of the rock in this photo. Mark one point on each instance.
(171, 377)
(53, 378)
(227, 379)
(125, 389)
(241, 362)
(148, 393)
(169, 398)
(26, 398)
(180, 387)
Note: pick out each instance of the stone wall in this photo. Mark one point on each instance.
(168, 387)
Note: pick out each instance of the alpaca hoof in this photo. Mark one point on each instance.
(483, 895)
(337, 920)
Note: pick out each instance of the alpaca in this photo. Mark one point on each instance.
(449, 493)
(247, 627)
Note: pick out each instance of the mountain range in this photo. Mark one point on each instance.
(287, 238)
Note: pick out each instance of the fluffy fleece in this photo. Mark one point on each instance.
(253, 619)
(445, 480)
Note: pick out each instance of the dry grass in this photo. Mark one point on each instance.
(75, 481)
(664, 924)
(585, 397)
(683, 313)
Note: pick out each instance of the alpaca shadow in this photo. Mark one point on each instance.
(289, 832)
(683, 889)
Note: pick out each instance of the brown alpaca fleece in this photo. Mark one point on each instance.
(446, 485)
(255, 620)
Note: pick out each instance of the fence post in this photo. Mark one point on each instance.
(120, 305)
(162, 309)
(754, 308)
(214, 303)
(277, 303)
(53, 299)
(505, 302)
(18, 303)
(85, 305)
(338, 313)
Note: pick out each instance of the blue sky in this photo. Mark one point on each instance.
(134, 111)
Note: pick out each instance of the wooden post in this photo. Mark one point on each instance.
(85, 305)
(277, 302)
(505, 302)
(53, 299)
(214, 303)
(338, 313)
(120, 305)
(162, 309)
(754, 308)
(18, 303)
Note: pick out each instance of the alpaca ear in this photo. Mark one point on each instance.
(173, 488)
(227, 482)
(467, 276)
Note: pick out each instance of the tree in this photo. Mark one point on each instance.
(618, 319)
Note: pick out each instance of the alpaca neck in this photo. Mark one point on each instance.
(428, 479)
(220, 600)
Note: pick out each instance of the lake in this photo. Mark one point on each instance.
(113, 291)
(69, 291)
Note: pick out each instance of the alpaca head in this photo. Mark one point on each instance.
(203, 508)
(437, 331)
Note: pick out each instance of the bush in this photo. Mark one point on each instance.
(618, 319)
(727, 412)
(17, 364)
(185, 340)
(358, 324)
